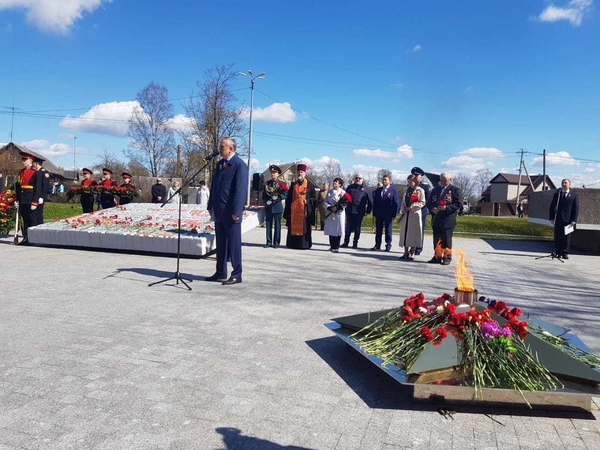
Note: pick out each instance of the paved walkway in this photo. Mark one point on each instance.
(93, 358)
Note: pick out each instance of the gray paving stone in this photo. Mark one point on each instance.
(102, 361)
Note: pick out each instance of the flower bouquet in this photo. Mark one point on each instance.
(339, 206)
(492, 353)
(8, 211)
(275, 193)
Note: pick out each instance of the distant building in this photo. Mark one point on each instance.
(505, 191)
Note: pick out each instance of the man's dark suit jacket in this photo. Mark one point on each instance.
(386, 206)
(564, 209)
(159, 190)
(446, 218)
(229, 189)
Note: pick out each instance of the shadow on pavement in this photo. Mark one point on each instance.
(233, 439)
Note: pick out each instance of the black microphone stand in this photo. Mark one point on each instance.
(177, 275)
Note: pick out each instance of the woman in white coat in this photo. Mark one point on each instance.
(411, 230)
(335, 217)
(177, 198)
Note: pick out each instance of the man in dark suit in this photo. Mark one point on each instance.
(386, 203)
(44, 176)
(564, 210)
(444, 204)
(228, 193)
(274, 193)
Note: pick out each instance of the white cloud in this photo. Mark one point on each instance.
(318, 164)
(463, 164)
(573, 12)
(44, 148)
(404, 151)
(53, 16)
(277, 112)
(417, 48)
(106, 118)
(557, 159)
(181, 123)
(592, 168)
(483, 152)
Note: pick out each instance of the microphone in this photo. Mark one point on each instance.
(211, 156)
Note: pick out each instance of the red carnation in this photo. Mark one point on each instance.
(414, 198)
(283, 186)
(427, 333)
(442, 203)
(348, 197)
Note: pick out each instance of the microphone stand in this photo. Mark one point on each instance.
(177, 275)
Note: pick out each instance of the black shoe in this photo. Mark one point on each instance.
(387, 249)
(266, 245)
(276, 246)
(335, 250)
(417, 252)
(344, 245)
(446, 261)
(375, 249)
(564, 256)
(354, 245)
(232, 281)
(216, 277)
(434, 260)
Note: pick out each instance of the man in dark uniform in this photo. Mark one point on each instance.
(274, 193)
(444, 204)
(29, 189)
(419, 173)
(107, 196)
(87, 198)
(159, 191)
(43, 174)
(126, 195)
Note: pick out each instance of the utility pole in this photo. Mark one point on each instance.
(519, 184)
(544, 170)
(178, 169)
(74, 162)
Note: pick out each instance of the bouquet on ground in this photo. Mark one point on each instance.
(341, 204)
(492, 352)
(276, 193)
(8, 211)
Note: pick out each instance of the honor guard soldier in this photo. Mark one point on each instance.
(107, 196)
(45, 180)
(87, 198)
(29, 189)
(128, 188)
(274, 193)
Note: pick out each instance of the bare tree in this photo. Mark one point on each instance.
(214, 115)
(331, 170)
(153, 142)
(482, 180)
(466, 184)
(110, 161)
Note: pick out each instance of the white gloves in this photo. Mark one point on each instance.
(33, 207)
(16, 204)
(40, 200)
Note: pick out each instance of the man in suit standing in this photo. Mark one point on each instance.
(386, 203)
(274, 193)
(444, 204)
(564, 210)
(228, 193)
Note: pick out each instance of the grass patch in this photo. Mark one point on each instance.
(53, 210)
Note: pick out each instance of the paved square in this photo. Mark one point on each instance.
(93, 358)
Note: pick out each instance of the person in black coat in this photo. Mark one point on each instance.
(444, 204)
(564, 210)
(44, 179)
(28, 189)
(362, 202)
(386, 203)
(107, 196)
(159, 191)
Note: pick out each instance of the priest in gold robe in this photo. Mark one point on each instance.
(300, 211)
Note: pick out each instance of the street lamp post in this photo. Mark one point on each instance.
(252, 78)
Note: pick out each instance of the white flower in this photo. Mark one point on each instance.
(422, 310)
(440, 309)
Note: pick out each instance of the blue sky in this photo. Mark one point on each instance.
(383, 84)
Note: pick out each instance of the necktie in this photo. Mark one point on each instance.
(384, 192)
